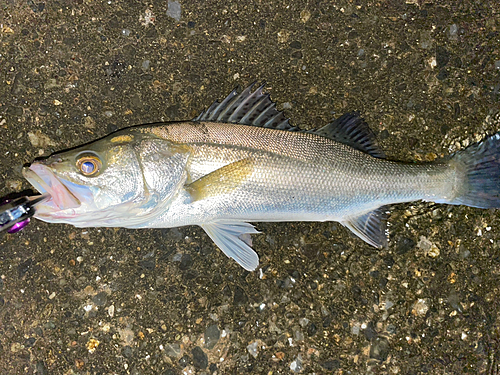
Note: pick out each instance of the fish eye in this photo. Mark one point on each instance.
(89, 165)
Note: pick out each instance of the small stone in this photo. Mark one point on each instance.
(404, 245)
(100, 299)
(297, 334)
(464, 253)
(111, 311)
(388, 304)
(253, 348)
(127, 351)
(212, 336)
(6, 29)
(200, 359)
(173, 350)
(420, 307)
(79, 363)
(453, 31)
(442, 57)
(355, 329)
(424, 243)
(89, 122)
(452, 278)
(311, 329)
(370, 332)
(379, 348)
(375, 274)
(148, 263)
(41, 368)
(497, 64)
(305, 15)
(148, 18)
(16, 347)
(240, 298)
(92, 345)
(303, 322)
(296, 365)
(331, 365)
(184, 361)
(428, 247)
(145, 65)
(283, 36)
(174, 10)
(38, 139)
(454, 301)
(24, 267)
(391, 328)
(186, 262)
(426, 40)
(434, 251)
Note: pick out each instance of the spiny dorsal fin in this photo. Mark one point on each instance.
(352, 130)
(247, 108)
(370, 227)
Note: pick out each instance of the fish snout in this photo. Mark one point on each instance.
(51, 160)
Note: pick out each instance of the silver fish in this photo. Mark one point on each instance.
(241, 161)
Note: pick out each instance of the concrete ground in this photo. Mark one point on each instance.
(424, 74)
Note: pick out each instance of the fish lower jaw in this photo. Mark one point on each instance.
(52, 216)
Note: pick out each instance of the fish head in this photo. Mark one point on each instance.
(110, 182)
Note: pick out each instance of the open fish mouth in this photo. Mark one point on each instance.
(63, 194)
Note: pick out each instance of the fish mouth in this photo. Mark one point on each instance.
(63, 196)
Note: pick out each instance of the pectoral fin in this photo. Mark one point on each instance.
(233, 238)
(370, 227)
(221, 181)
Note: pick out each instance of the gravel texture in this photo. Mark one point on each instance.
(425, 75)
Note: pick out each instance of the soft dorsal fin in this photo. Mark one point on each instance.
(370, 227)
(352, 130)
(247, 108)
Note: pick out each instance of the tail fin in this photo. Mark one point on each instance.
(480, 164)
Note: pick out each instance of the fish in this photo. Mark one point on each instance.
(240, 162)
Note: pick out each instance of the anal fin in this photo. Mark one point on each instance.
(370, 227)
(233, 238)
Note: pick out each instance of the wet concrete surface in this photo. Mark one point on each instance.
(425, 75)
